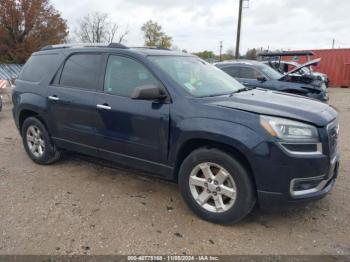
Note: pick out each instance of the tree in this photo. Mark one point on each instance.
(206, 55)
(154, 36)
(211, 56)
(229, 55)
(97, 28)
(165, 41)
(26, 26)
(251, 54)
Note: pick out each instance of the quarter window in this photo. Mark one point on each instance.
(123, 75)
(81, 70)
(38, 67)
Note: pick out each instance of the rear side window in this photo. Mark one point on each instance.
(81, 71)
(123, 75)
(38, 67)
(249, 73)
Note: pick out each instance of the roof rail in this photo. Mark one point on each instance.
(81, 45)
(151, 47)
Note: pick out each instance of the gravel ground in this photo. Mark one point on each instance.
(79, 206)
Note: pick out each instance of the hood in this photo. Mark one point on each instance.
(307, 64)
(279, 104)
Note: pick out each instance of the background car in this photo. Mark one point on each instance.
(253, 74)
(286, 66)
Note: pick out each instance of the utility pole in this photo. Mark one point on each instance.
(333, 42)
(220, 50)
(238, 39)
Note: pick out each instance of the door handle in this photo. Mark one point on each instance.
(245, 83)
(54, 98)
(105, 107)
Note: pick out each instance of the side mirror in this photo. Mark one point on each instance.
(261, 78)
(148, 92)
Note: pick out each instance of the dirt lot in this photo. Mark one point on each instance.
(78, 206)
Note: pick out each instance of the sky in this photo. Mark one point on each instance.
(197, 25)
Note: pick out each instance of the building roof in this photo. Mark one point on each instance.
(286, 53)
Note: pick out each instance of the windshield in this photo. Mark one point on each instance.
(196, 76)
(270, 72)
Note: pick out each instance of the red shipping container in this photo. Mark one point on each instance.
(335, 63)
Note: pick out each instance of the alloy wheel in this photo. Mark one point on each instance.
(35, 141)
(212, 187)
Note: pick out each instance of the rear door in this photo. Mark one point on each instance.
(138, 129)
(72, 111)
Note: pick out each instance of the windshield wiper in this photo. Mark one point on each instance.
(245, 89)
(214, 95)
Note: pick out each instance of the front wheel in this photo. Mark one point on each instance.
(216, 186)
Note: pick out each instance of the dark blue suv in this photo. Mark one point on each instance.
(176, 116)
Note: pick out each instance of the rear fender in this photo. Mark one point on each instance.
(30, 102)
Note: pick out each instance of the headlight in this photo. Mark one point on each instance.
(289, 130)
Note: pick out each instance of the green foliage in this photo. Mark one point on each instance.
(154, 36)
(211, 56)
(206, 55)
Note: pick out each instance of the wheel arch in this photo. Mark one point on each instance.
(193, 144)
(27, 105)
(26, 113)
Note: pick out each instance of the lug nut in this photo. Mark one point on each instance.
(218, 189)
(214, 193)
(216, 182)
(209, 180)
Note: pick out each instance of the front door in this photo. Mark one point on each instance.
(137, 129)
(249, 77)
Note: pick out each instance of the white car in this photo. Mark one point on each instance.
(288, 66)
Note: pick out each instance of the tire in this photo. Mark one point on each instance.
(37, 142)
(233, 206)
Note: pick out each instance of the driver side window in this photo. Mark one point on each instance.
(123, 75)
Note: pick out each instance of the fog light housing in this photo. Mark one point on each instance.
(304, 186)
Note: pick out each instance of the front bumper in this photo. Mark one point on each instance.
(268, 200)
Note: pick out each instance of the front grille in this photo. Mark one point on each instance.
(333, 129)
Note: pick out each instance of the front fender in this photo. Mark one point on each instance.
(236, 135)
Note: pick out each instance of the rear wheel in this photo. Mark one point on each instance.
(37, 142)
(216, 186)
